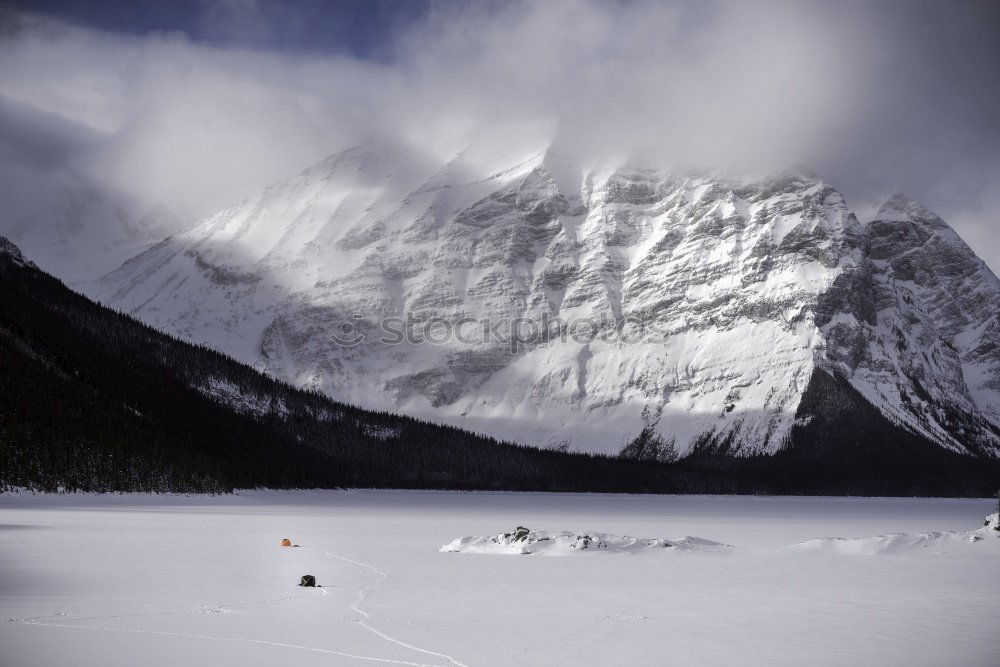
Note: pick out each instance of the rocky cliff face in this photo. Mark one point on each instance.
(693, 309)
(915, 328)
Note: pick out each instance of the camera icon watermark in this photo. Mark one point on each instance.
(348, 333)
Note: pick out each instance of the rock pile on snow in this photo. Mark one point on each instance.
(525, 541)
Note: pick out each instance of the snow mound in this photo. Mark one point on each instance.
(899, 542)
(524, 541)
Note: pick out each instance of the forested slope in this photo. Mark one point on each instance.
(94, 400)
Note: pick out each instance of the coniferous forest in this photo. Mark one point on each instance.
(94, 400)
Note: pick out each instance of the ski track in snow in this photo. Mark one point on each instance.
(366, 617)
(364, 622)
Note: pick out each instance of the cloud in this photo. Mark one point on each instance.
(875, 97)
(249, 22)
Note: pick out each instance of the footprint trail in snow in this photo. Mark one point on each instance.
(365, 619)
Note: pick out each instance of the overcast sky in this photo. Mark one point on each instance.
(205, 101)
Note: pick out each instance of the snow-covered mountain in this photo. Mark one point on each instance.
(693, 310)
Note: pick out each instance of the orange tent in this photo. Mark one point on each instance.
(286, 542)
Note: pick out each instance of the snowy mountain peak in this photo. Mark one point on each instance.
(900, 207)
(685, 311)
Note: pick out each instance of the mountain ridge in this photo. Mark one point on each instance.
(750, 286)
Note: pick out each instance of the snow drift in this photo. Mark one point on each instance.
(901, 542)
(523, 541)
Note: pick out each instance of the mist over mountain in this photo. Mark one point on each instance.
(111, 139)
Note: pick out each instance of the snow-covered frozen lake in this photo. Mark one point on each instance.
(152, 581)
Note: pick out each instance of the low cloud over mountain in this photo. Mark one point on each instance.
(130, 135)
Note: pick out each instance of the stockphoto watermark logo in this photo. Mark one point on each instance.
(514, 333)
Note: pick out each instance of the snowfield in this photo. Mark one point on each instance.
(168, 580)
